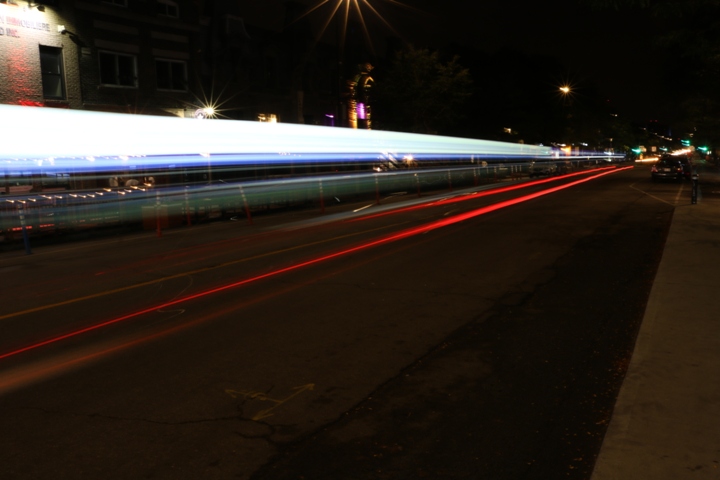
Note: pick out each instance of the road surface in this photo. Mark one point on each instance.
(438, 341)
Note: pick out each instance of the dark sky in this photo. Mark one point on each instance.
(613, 50)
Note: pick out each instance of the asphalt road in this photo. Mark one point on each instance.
(488, 348)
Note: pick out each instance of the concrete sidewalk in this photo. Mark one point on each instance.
(666, 422)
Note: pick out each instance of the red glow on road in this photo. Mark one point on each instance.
(485, 193)
(380, 241)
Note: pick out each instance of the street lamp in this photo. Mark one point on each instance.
(203, 113)
(566, 94)
(342, 10)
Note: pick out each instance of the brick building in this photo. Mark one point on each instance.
(164, 57)
(160, 57)
(38, 64)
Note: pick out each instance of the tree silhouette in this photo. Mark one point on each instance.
(420, 93)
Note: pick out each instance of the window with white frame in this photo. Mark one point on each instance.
(171, 75)
(118, 69)
(53, 74)
(167, 8)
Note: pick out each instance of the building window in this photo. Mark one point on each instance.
(267, 117)
(118, 69)
(167, 8)
(119, 3)
(53, 75)
(171, 75)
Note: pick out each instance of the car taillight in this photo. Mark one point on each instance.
(654, 168)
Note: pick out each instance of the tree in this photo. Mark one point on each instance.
(420, 93)
(507, 98)
(688, 32)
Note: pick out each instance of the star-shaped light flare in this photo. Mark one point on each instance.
(342, 9)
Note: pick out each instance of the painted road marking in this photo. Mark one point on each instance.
(497, 206)
(650, 195)
(677, 197)
(179, 275)
(252, 395)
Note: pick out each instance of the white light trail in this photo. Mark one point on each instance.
(47, 138)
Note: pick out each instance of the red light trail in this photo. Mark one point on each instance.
(380, 241)
(485, 193)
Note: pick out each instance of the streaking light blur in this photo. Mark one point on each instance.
(380, 241)
(103, 141)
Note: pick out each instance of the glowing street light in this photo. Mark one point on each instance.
(566, 93)
(342, 9)
(203, 113)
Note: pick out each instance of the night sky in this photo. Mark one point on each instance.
(612, 50)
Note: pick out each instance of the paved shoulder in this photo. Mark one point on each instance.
(666, 423)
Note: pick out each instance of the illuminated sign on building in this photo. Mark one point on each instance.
(8, 25)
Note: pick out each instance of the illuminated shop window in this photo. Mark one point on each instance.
(171, 75)
(167, 8)
(118, 69)
(267, 117)
(53, 76)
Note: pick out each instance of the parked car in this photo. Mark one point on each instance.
(687, 167)
(667, 168)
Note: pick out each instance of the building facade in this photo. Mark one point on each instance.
(186, 58)
(164, 57)
(38, 64)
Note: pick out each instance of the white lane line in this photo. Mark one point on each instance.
(649, 195)
(677, 197)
